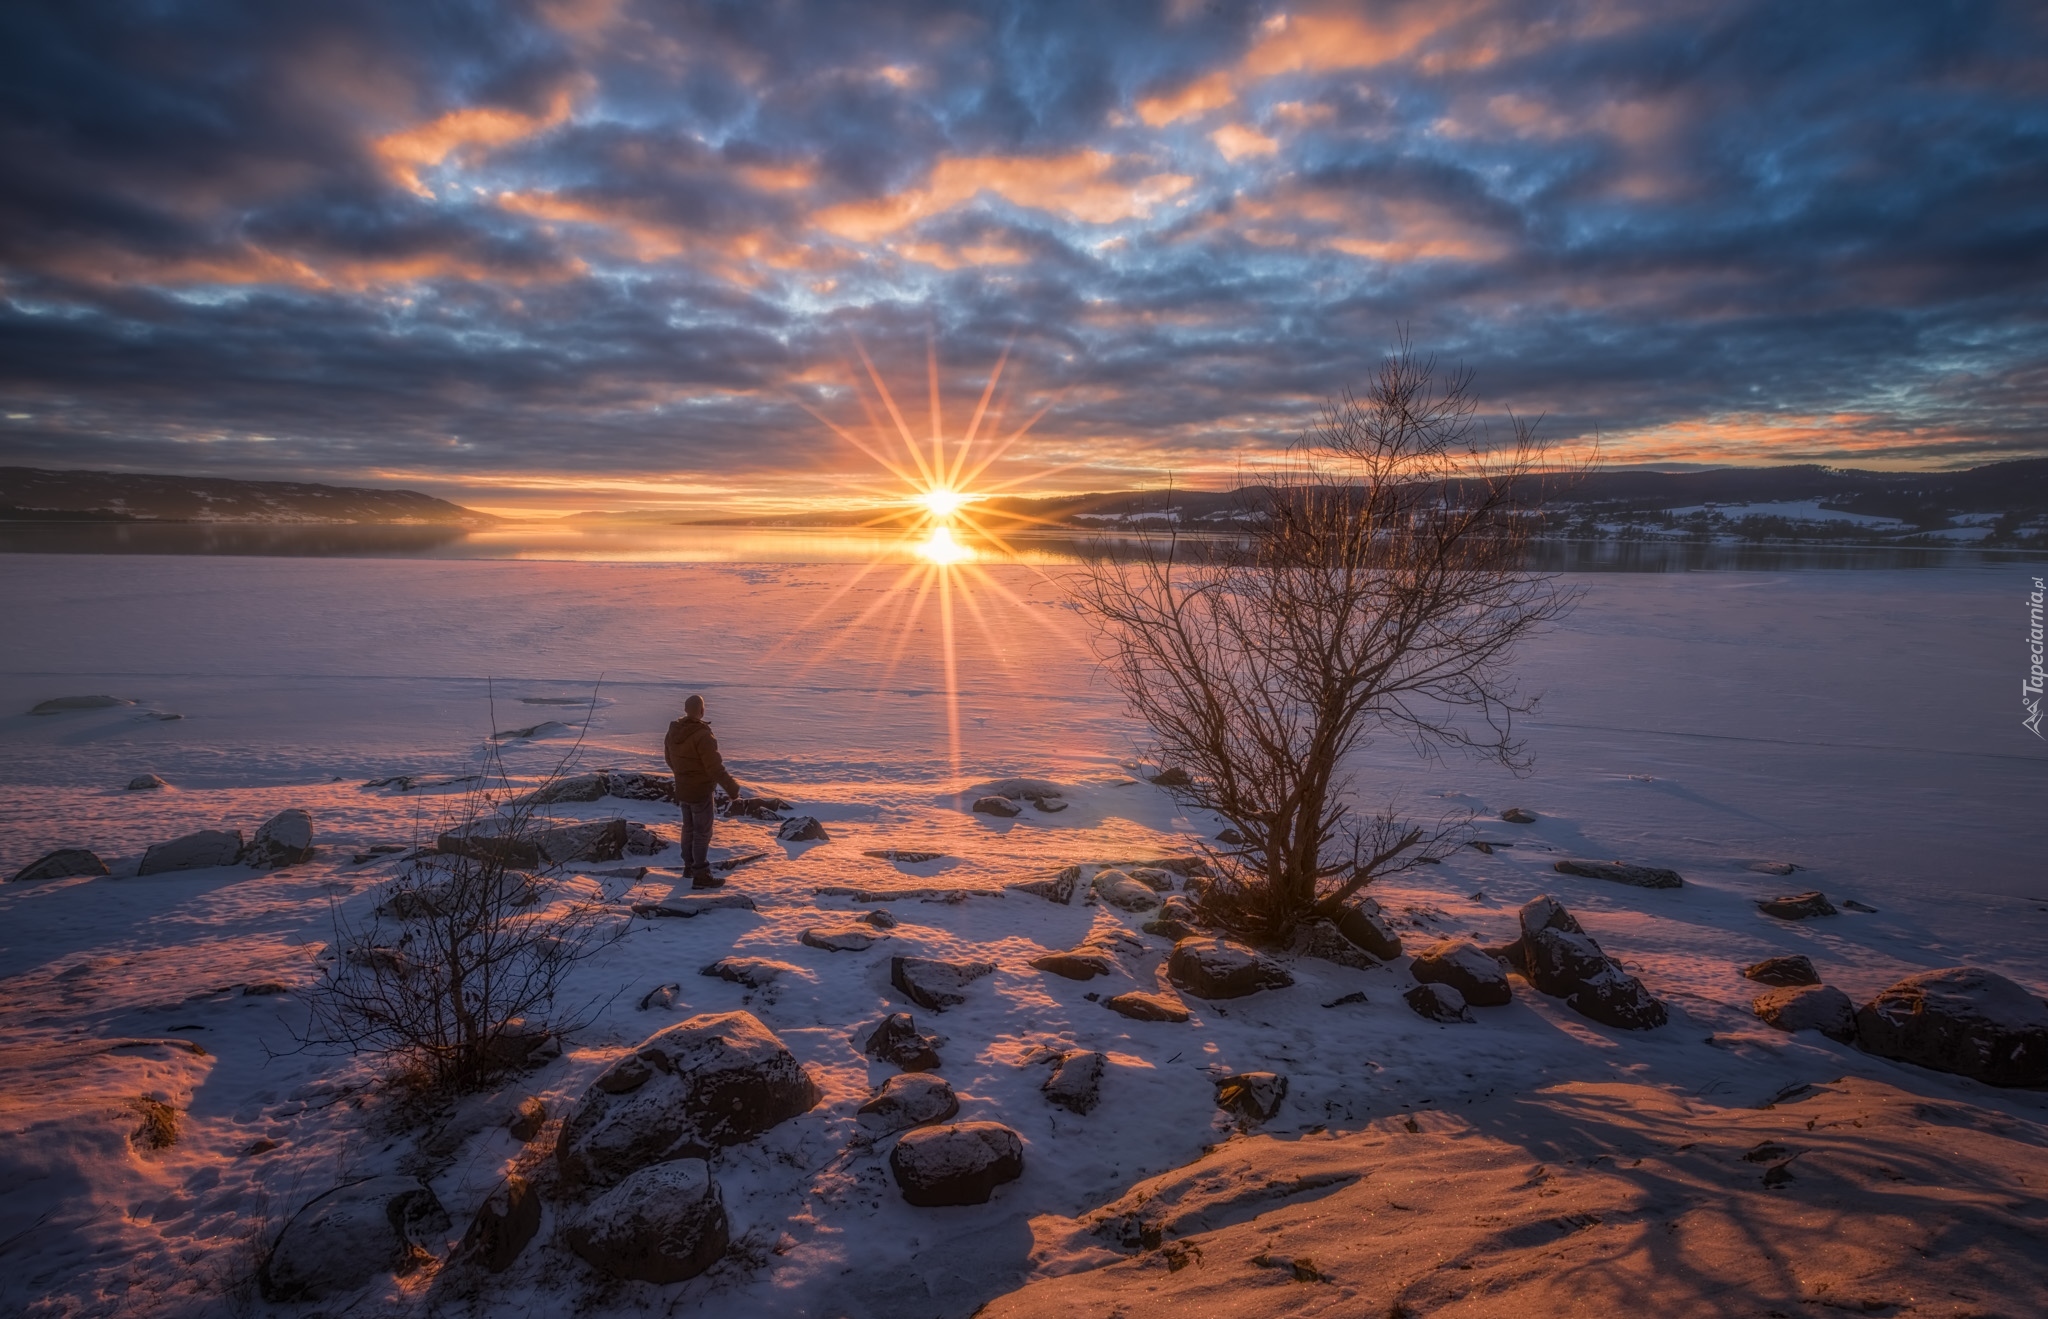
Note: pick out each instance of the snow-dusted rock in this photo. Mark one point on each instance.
(60, 704)
(753, 972)
(146, 783)
(527, 1119)
(909, 1099)
(1479, 979)
(1772, 867)
(1220, 968)
(803, 829)
(574, 788)
(1076, 1081)
(881, 920)
(757, 808)
(1437, 1001)
(1547, 913)
(1562, 960)
(1366, 926)
(1791, 969)
(1615, 998)
(1619, 872)
(1253, 1096)
(895, 1040)
(1000, 807)
(1559, 961)
(1963, 1019)
(341, 1240)
(710, 1081)
(1035, 791)
(1080, 964)
(1797, 906)
(956, 1165)
(285, 839)
(694, 904)
(594, 840)
(61, 864)
(1173, 777)
(1157, 878)
(665, 1223)
(1123, 892)
(1518, 815)
(933, 984)
(198, 851)
(642, 840)
(505, 1222)
(839, 938)
(1809, 1007)
(904, 855)
(483, 845)
(1140, 1006)
(1321, 939)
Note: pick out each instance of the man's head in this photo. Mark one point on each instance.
(694, 707)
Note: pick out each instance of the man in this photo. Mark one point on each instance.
(692, 755)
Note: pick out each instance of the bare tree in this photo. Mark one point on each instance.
(1378, 585)
(458, 970)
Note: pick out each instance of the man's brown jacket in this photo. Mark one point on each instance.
(692, 755)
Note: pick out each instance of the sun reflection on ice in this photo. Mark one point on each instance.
(941, 548)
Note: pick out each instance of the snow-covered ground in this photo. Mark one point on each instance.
(1861, 724)
(1794, 510)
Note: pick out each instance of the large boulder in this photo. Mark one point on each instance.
(505, 1222)
(707, 1082)
(757, 808)
(1057, 889)
(200, 851)
(665, 1223)
(1477, 976)
(492, 848)
(802, 829)
(285, 839)
(956, 1165)
(1140, 1006)
(341, 1240)
(1220, 968)
(1365, 925)
(839, 938)
(895, 1040)
(1076, 1081)
(1809, 1007)
(1081, 964)
(1253, 1096)
(1562, 960)
(1790, 969)
(1616, 998)
(63, 863)
(908, 1099)
(933, 984)
(753, 972)
(1618, 872)
(573, 788)
(594, 840)
(1965, 1020)
(1123, 892)
(1437, 1002)
(1797, 906)
(1000, 807)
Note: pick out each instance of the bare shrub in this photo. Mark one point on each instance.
(1378, 585)
(160, 1124)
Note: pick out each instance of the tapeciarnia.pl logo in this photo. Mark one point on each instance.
(2030, 690)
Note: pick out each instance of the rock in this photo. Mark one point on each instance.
(1230, 838)
(285, 839)
(1809, 1007)
(1559, 961)
(1362, 922)
(665, 1223)
(545, 728)
(956, 1165)
(1253, 1096)
(497, 849)
(1146, 1007)
(906, 1100)
(1219, 968)
(527, 1120)
(1081, 964)
(1797, 906)
(1076, 1081)
(694, 904)
(933, 984)
(1001, 807)
(1050, 805)
(59, 704)
(710, 1081)
(642, 840)
(595, 840)
(662, 996)
(881, 920)
(577, 787)
(1772, 867)
(1517, 815)
(504, 1223)
(1479, 979)
(1173, 778)
(1792, 969)
(1621, 873)
(1546, 913)
(839, 939)
(904, 856)
(63, 863)
(341, 1240)
(1121, 891)
(1616, 998)
(757, 808)
(1965, 1020)
(521, 1046)
(1167, 927)
(1187, 867)
(1156, 878)
(1036, 791)
(895, 1040)
(146, 783)
(1437, 1002)
(200, 851)
(1321, 939)
(802, 829)
(1850, 904)
(753, 972)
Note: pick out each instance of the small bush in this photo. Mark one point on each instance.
(159, 1129)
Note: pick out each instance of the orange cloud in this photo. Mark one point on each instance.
(1766, 438)
(1362, 225)
(1198, 97)
(423, 146)
(1318, 43)
(1083, 185)
(1239, 140)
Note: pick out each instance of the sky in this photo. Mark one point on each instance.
(601, 254)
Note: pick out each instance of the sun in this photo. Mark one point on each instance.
(942, 502)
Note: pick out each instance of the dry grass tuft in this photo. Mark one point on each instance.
(159, 1129)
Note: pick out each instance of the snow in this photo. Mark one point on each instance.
(1798, 510)
(1856, 723)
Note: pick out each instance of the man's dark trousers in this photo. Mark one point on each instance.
(697, 838)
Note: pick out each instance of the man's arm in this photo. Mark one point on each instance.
(715, 763)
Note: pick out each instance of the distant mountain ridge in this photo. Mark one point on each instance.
(33, 494)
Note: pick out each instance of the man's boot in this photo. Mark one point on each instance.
(703, 878)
